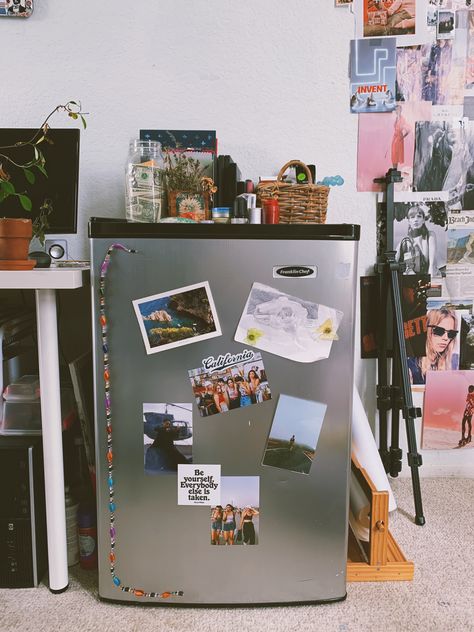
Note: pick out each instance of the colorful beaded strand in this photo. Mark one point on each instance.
(138, 592)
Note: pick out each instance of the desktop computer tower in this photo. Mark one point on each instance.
(23, 546)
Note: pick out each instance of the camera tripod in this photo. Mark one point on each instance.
(395, 396)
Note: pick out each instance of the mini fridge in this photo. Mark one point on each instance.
(223, 360)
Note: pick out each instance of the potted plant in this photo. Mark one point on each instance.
(189, 191)
(16, 172)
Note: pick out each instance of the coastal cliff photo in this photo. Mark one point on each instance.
(177, 318)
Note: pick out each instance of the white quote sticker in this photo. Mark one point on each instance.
(199, 484)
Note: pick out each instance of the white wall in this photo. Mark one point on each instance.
(269, 76)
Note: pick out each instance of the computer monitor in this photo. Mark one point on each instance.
(60, 186)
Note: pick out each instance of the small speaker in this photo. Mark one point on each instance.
(56, 249)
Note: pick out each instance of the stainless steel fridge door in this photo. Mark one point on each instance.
(303, 523)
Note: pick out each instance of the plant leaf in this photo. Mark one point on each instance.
(29, 175)
(25, 202)
(7, 187)
(83, 122)
(42, 169)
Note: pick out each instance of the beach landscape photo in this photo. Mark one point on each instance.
(294, 434)
(176, 318)
(447, 411)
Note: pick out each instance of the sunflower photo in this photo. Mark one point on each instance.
(287, 326)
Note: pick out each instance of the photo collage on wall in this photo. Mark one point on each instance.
(270, 321)
(427, 134)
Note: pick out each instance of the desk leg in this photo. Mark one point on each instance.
(52, 438)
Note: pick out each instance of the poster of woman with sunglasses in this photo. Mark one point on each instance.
(442, 344)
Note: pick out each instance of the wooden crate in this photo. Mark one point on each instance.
(385, 560)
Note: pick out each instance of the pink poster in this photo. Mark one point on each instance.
(448, 410)
(388, 140)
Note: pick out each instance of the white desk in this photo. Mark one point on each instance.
(45, 282)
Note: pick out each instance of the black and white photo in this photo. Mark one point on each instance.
(419, 234)
(444, 161)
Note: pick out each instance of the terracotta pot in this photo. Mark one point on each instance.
(15, 237)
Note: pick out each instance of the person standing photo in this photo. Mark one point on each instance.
(229, 524)
(401, 129)
(467, 418)
(221, 398)
(247, 526)
(254, 382)
(244, 389)
(216, 524)
(232, 393)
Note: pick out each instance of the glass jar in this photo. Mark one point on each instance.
(144, 186)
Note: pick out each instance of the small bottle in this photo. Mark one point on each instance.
(271, 211)
(87, 536)
(221, 214)
(71, 506)
(255, 215)
(144, 181)
(239, 211)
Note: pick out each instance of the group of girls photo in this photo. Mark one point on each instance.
(235, 387)
(232, 525)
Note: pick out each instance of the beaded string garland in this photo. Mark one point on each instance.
(138, 592)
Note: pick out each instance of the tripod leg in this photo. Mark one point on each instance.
(409, 412)
(397, 403)
(383, 390)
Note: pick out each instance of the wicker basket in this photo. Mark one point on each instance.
(299, 203)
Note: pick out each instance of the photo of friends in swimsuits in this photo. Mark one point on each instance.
(236, 520)
(230, 387)
(294, 434)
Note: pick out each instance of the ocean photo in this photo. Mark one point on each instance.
(176, 318)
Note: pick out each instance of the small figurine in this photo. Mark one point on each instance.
(370, 101)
